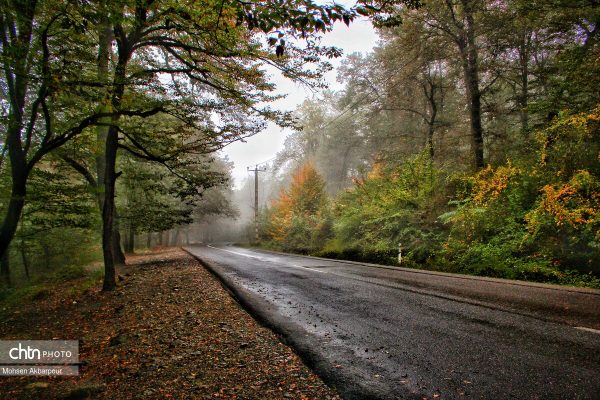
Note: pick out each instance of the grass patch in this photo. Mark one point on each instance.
(72, 280)
(12, 297)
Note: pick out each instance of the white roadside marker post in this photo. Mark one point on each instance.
(399, 253)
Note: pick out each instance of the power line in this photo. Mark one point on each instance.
(264, 162)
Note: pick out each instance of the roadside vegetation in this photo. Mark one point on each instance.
(470, 136)
(112, 114)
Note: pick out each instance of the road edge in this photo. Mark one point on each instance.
(282, 328)
(549, 286)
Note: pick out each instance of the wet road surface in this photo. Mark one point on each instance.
(389, 333)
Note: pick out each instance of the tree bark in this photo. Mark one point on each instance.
(469, 55)
(524, 66)
(23, 249)
(18, 49)
(433, 109)
(108, 211)
(131, 239)
(5, 268)
(16, 202)
(149, 239)
(118, 253)
(19, 172)
(110, 176)
(104, 54)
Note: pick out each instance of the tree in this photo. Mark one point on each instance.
(298, 216)
(205, 49)
(213, 65)
(154, 200)
(458, 21)
(45, 57)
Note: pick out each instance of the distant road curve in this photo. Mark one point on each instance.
(393, 333)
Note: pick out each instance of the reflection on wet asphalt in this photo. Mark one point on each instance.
(391, 334)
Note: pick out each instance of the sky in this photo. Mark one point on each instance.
(359, 37)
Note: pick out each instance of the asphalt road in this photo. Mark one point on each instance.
(389, 333)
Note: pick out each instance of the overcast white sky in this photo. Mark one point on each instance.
(359, 37)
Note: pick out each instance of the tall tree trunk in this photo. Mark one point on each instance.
(104, 55)
(5, 268)
(18, 49)
(431, 120)
(469, 54)
(524, 69)
(175, 237)
(108, 211)
(24, 258)
(131, 241)
(160, 238)
(118, 253)
(15, 204)
(110, 176)
(19, 172)
(105, 37)
(149, 239)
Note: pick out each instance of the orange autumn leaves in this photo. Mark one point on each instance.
(490, 183)
(299, 212)
(575, 203)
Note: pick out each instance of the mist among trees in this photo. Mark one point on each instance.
(469, 137)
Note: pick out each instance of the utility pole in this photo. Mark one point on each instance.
(256, 170)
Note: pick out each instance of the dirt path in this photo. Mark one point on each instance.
(169, 331)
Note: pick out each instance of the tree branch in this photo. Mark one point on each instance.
(82, 169)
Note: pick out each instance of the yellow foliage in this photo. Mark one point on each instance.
(575, 203)
(489, 183)
(573, 128)
(377, 171)
(281, 218)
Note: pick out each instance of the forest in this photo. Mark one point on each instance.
(469, 136)
(113, 114)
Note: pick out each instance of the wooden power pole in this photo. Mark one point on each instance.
(256, 170)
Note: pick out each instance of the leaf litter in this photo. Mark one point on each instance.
(169, 331)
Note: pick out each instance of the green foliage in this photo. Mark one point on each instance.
(70, 272)
(57, 199)
(58, 227)
(393, 206)
(12, 297)
(530, 210)
(539, 220)
(532, 219)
